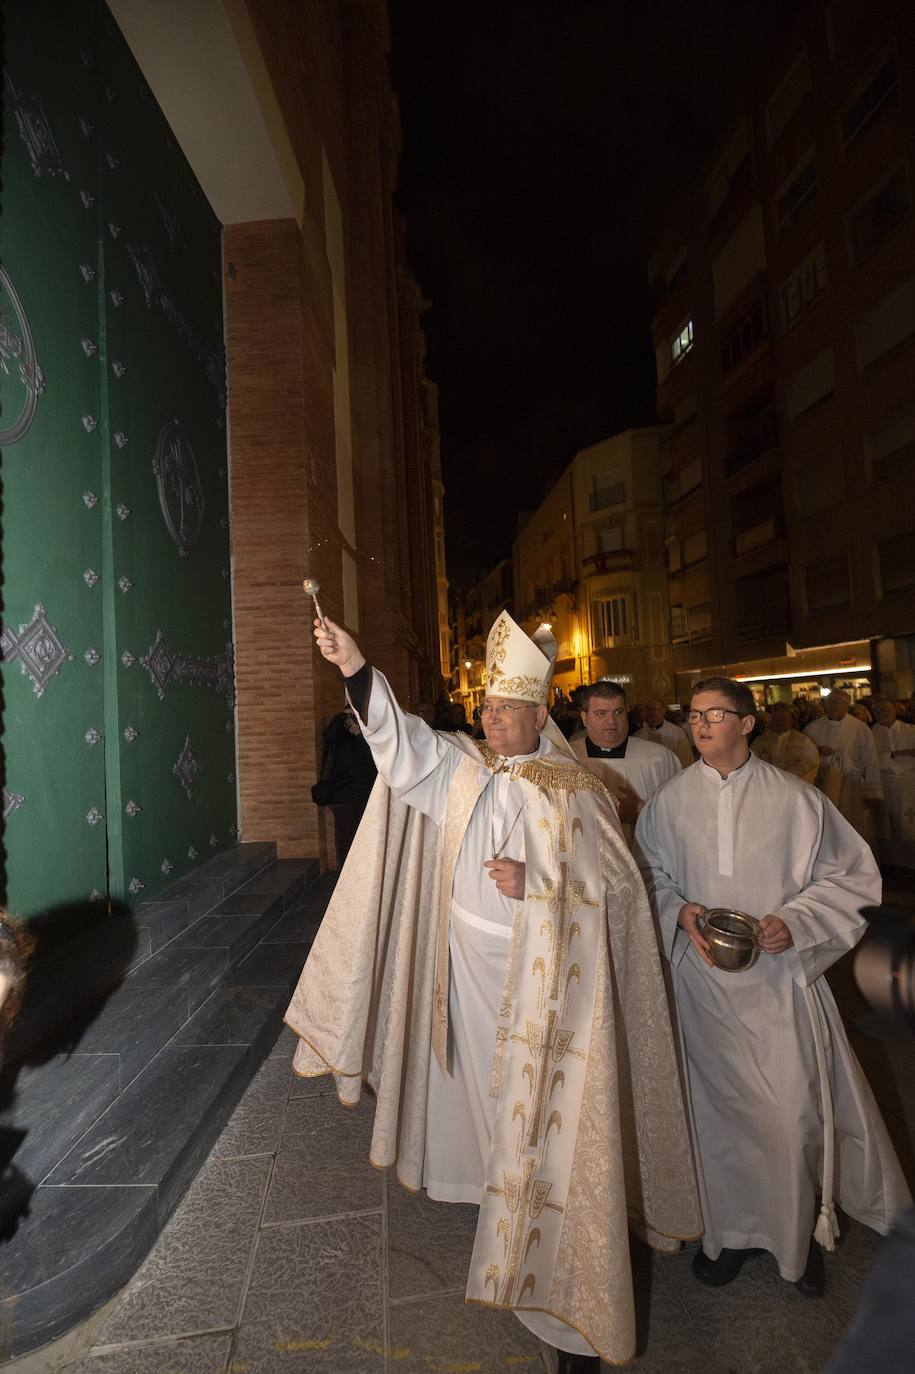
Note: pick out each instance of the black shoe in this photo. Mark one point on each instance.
(813, 1280)
(577, 1364)
(716, 1273)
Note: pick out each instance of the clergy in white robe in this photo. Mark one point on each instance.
(785, 747)
(895, 743)
(489, 964)
(849, 768)
(660, 730)
(737, 833)
(632, 769)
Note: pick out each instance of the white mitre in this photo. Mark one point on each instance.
(515, 667)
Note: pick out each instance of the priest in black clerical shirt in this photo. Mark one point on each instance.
(631, 768)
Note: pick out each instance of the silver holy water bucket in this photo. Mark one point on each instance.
(733, 938)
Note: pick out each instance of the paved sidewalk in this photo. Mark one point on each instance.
(291, 1253)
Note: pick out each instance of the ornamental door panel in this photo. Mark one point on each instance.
(171, 785)
(118, 744)
(53, 736)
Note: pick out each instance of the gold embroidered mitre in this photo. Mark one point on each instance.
(515, 666)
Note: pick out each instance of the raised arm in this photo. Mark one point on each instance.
(416, 762)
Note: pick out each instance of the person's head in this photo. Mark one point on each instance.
(655, 712)
(780, 717)
(518, 672)
(837, 704)
(512, 727)
(604, 714)
(884, 710)
(860, 712)
(722, 714)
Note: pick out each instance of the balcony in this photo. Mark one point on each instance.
(750, 445)
(614, 560)
(757, 536)
(767, 623)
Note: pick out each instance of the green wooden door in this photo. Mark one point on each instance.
(119, 752)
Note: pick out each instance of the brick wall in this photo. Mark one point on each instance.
(327, 64)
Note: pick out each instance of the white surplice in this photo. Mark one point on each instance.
(897, 831)
(789, 750)
(851, 773)
(672, 737)
(761, 841)
(642, 769)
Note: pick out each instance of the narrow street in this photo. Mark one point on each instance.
(290, 1252)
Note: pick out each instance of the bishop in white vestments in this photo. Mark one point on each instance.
(489, 965)
(766, 1060)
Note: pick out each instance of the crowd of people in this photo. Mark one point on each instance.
(490, 966)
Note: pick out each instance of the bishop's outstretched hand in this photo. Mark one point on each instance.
(338, 646)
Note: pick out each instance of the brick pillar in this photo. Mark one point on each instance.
(280, 419)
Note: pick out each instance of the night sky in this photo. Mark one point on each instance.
(543, 145)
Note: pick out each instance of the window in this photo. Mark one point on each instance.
(613, 620)
(811, 385)
(740, 259)
(787, 98)
(681, 343)
(685, 407)
(842, 19)
(881, 212)
(887, 325)
(691, 476)
(896, 563)
(828, 584)
(804, 288)
(732, 173)
(749, 332)
(819, 486)
(610, 540)
(891, 448)
(695, 548)
(608, 490)
(865, 107)
(797, 191)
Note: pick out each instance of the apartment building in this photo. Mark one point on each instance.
(784, 329)
(590, 562)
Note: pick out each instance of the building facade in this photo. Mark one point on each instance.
(590, 561)
(249, 406)
(784, 329)
(473, 616)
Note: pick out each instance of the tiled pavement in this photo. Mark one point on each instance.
(291, 1253)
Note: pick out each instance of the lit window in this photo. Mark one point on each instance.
(613, 620)
(681, 343)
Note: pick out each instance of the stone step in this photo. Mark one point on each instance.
(85, 955)
(162, 1060)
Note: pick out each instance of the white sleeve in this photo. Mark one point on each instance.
(415, 761)
(663, 893)
(825, 918)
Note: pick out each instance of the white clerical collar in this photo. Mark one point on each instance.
(543, 747)
(736, 775)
